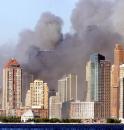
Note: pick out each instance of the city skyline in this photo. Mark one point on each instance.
(44, 43)
(104, 82)
(66, 63)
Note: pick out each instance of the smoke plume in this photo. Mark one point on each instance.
(49, 54)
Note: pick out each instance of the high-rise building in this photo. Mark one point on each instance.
(39, 94)
(62, 89)
(105, 88)
(92, 76)
(121, 102)
(27, 78)
(12, 83)
(46, 95)
(98, 78)
(115, 76)
(89, 82)
(67, 87)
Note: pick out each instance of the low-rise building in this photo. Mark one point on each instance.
(27, 116)
(2, 112)
(38, 113)
(78, 110)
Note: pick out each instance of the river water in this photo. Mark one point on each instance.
(61, 127)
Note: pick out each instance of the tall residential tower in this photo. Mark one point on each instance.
(115, 77)
(12, 82)
(121, 102)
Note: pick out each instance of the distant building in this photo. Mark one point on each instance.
(46, 95)
(67, 87)
(105, 88)
(52, 92)
(27, 78)
(92, 76)
(55, 107)
(115, 76)
(37, 112)
(28, 99)
(98, 76)
(27, 116)
(10, 112)
(62, 89)
(21, 111)
(78, 110)
(67, 90)
(12, 84)
(40, 113)
(90, 91)
(39, 94)
(121, 106)
(2, 113)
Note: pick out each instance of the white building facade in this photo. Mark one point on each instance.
(121, 108)
(78, 110)
(55, 107)
(28, 99)
(67, 87)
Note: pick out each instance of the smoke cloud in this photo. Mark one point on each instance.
(45, 36)
(49, 54)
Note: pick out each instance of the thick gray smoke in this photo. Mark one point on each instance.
(48, 54)
(45, 36)
(118, 19)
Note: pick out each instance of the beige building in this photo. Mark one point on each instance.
(12, 82)
(89, 81)
(115, 77)
(39, 94)
(121, 102)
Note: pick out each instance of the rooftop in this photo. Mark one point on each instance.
(12, 63)
(118, 47)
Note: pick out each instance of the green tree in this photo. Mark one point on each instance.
(112, 120)
(54, 120)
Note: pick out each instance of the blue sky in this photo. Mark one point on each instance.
(17, 15)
